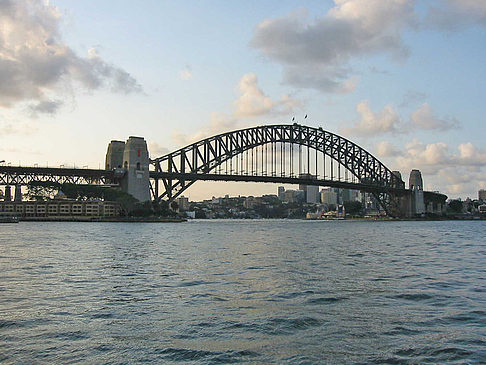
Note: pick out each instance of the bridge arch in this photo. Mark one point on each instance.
(200, 160)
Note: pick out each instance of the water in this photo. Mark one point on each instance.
(253, 292)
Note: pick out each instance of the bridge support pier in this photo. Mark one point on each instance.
(18, 193)
(136, 180)
(8, 194)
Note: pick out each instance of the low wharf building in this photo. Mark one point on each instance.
(61, 208)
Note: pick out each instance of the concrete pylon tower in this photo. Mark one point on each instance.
(416, 184)
(114, 155)
(136, 163)
(415, 180)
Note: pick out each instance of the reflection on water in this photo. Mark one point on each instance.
(243, 291)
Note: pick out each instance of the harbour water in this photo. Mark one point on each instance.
(252, 292)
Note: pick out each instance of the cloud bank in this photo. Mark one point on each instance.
(451, 170)
(37, 67)
(315, 53)
(252, 103)
(387, 121)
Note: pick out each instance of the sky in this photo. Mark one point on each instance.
(404, 79)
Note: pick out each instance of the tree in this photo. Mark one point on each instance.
(174, 206)
(455, 206)
(42, 190)
(353, 207)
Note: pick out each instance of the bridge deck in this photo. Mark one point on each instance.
(276, 180)
(11, 175)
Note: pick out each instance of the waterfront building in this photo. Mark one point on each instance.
(482, 195)
(281, 192)
(62, 208)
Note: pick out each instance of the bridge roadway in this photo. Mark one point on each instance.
(189, 177)
(13, 175)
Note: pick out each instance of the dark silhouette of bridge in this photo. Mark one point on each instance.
(284, 154)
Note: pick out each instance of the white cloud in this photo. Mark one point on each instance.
(387, 121)
(372, 124)
(35, 64)
(315, 53)
(452, 171)
(253, 102)
(424, 118)
(156, 150)
(386, 149)
(251, 105)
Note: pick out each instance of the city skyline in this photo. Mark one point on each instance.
(400, 78)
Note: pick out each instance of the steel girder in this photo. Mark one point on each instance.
(17, 175)
(204, 156)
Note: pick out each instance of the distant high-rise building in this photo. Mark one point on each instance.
(346, 195)
(281, 192)
(329, 196)
(482, 195)
(293, 196)
(311, 192)
(183, 203)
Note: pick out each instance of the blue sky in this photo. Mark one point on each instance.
(402, 78)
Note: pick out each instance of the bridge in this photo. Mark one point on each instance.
(283, 154)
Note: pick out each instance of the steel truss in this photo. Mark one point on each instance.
(272, 148)
(17, 175)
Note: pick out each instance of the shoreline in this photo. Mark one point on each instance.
(103, 220)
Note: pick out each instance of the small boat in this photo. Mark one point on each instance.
(8, 218)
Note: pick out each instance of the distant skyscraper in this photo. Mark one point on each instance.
(346, 195)
(281, 192)
(482, 195)
(311, 192)
(183, 203)
(292, 196)
(329, 196)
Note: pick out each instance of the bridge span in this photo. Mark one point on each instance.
(284, 154)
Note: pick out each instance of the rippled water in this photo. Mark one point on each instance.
(209, 292)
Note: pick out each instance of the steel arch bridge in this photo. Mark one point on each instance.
(293, 154)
